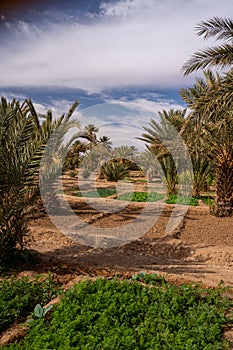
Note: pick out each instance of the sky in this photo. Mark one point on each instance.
(112, 53)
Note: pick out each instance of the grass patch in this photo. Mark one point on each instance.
(141, 196)
(114, 314)
(19, 297)
(172, 199)
(99, 192)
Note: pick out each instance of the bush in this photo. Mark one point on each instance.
(114, 171)
(172, 199)
(111, 314)
(141, 196)
(18, 297)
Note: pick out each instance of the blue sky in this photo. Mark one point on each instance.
(122, 51)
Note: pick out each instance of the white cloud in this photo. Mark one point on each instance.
(129, 43)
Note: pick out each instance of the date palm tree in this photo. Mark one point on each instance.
(90, 134)
(221, 55)
(211, 120)
(106, 142)
(23, 138)
(212, 108)
(160, 137)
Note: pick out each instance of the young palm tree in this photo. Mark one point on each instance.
(221, 55)
(160, 138)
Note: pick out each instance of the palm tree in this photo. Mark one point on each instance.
(90, 133)
(221, 55)
(161, 138)
(106, 142)
(23, 140)
(125, 153)
(192, 132)
(75, 155)
(212, 122)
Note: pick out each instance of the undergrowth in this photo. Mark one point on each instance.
(114, 314)
(18, 297)
(99, 192)
(172, 199)
(141, 196)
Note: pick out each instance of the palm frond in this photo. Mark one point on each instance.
(221, 28)
(221, 55)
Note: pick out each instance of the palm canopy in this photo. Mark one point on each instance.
(221, 55)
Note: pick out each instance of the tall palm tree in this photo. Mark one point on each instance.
(221, 55)
(192, 131)
(212, 121)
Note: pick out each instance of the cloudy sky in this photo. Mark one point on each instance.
(122, 51)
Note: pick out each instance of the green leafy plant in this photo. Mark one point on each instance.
(141, 196)
(115, 314)
(99, 192)
(17, 297)
(40, 312)
(152, 278)
(172, 199)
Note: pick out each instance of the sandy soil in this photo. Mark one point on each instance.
(201, 249)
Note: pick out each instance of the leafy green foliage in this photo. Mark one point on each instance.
(114, 314)
(99, 192)
(18, 297)
(141, 196)
(182, 200)
(40, 311)
(152, 278)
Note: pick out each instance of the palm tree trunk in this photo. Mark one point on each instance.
(224, 188)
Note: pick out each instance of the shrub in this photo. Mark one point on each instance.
(129, 315)
(18, 297)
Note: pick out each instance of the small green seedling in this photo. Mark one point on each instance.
(40, 312)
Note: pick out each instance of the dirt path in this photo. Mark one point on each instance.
(200, 250)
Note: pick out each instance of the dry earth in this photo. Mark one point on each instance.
(201, 249)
